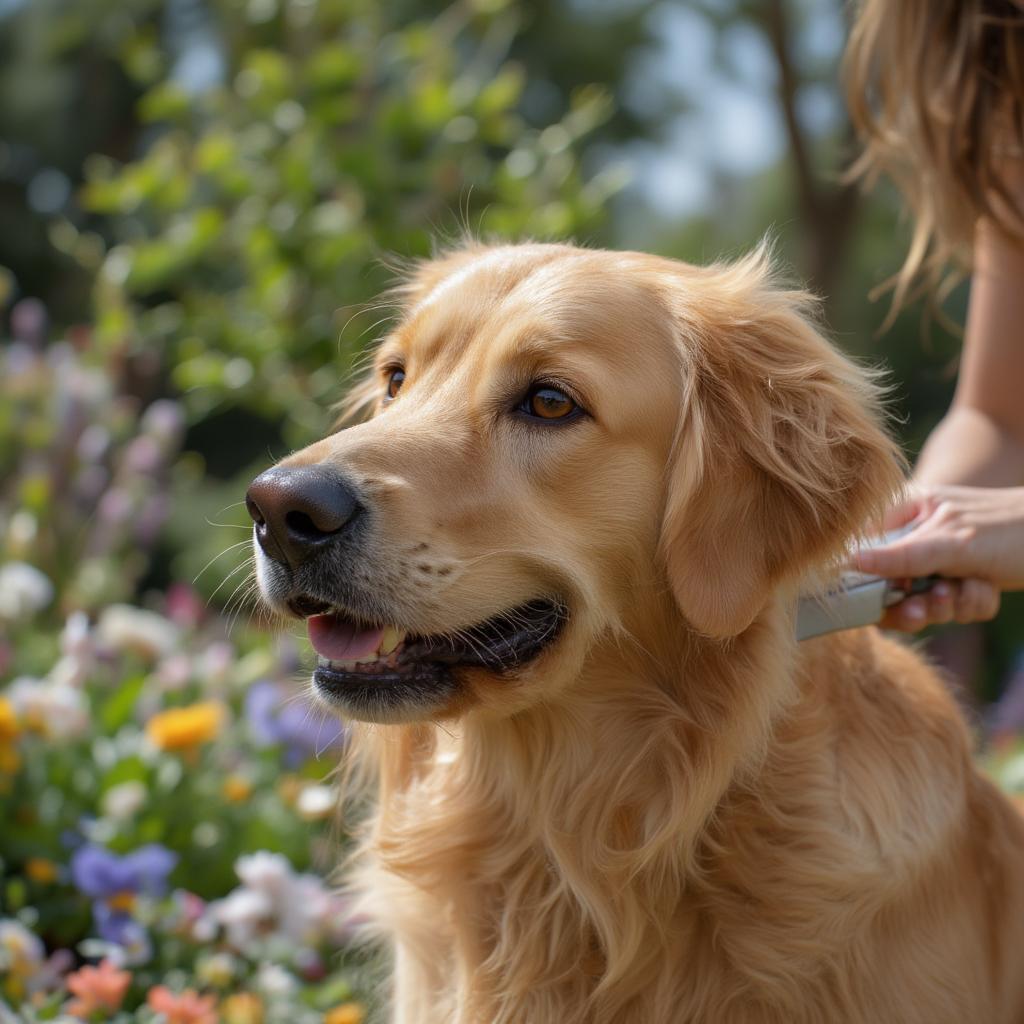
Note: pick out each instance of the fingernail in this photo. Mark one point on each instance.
(942, 590)
(915, 612)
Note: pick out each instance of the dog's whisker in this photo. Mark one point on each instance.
(246, 563)
(245, 591)
(220, 554)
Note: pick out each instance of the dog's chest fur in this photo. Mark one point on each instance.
(657, 891)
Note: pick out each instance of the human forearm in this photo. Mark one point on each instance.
(980, 442)
(970, 448)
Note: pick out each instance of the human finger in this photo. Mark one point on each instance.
(907, 557)
(902, 513)
(908, 616)
(976, 601)
(939, 602)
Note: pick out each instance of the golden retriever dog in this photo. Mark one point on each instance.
(557, 566)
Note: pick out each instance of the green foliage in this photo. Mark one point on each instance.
(262, 214)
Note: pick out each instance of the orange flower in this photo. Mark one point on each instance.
(242, 1008)
(346, 1013)
(9, 728)
(97, 988)
(187, 1007)
(237, 788)
(10, 759)
(39, 869)
(185, 728)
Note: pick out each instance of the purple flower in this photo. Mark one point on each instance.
(294, 722)
(117, 926)
(103, 875)
(143, 456)
(119, 929)
(113, 882)
(165, 421)
(29, 321)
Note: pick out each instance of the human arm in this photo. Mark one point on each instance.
(980, 442)
(967, 502)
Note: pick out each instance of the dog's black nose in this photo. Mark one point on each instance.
(299, 509)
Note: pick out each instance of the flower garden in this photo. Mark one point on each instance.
(165, 784)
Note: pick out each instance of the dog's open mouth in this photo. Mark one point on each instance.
(371, 670)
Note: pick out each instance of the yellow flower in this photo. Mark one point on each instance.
(8, 721)
(14, 988)
(185, 728)
(242, 1008)
(217, 969)
(41, 870)
(289, 787)
(10, 759)
(237, 788)
(346, 1013)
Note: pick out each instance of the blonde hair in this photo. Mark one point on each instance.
(936, 92)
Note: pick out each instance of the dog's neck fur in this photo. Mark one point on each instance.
(531, 874)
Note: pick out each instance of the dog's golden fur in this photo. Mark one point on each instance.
(675, 813)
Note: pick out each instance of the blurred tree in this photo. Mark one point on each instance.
(67, 89)
(252, 227)
(71, 74)
(804, 200)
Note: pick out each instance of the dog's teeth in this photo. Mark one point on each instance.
(390, 639)
(343, 663)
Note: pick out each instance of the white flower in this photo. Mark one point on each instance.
(270, 873)
(204, 929)
(125, 628)
(124, 800)
(244, 914)
(273, 980)
(316, 802)
(69, 672)
(75, 639)
(55, 709)
(21, 951)
(275, 902)
(173, 673)
(214, 663)
(309, 907)
(77, 655)
(23, 590)
(23, 957)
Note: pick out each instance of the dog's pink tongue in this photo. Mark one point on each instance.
(336, 638)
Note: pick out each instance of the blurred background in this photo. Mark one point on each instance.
(199, 200)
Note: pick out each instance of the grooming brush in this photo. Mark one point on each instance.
(860, 599)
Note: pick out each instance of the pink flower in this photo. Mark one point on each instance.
(97, 988)
(186, 1007)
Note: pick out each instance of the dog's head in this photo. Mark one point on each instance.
(561, 442)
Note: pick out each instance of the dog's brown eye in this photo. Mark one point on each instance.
(549, 404)
(395, 381)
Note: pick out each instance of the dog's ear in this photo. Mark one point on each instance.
(780, 457)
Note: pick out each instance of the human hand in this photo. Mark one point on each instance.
(972, 535)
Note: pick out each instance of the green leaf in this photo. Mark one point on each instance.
(166, 102)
